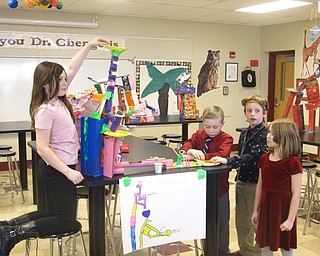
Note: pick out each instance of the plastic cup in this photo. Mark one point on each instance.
(158, 167)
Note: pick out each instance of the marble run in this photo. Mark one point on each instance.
(311, 86)
(135, 110)
(130, 89)
(112, 164)
(186, 98)
(93, 127)
(100, 133)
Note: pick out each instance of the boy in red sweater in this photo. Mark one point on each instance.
(205, 144)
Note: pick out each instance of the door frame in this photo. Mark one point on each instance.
(272, 80)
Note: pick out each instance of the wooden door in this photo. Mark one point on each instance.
(284, 78)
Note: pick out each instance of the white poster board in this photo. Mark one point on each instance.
(16, 78)
(155, 209)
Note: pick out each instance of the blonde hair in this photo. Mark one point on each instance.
(213, 112)
(256, 99)
(285, 133)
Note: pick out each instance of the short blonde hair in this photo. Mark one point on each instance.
(256, 99)
(286, 133)
(213, 112)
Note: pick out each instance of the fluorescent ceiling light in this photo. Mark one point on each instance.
(273, 6)
(51, 23)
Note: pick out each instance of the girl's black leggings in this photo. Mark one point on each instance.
(61, 202)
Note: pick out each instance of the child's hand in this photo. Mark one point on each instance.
(74, 176)
(286, 226)
(219, 159)
(255, 219)
(99, 41)
(195, 154)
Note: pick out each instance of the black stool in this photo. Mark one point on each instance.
(305, 156)
(316, 160)
(14, 181)
(168, 136)
(161, 249)
(59, 237)
(161, 142)
(149, 138)
(179, 143)
(314, 192)
(309, 167)
(5, 147)
(83, 193)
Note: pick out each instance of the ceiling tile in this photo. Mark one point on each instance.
(218, 11)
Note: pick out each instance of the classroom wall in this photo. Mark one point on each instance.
(148, 39)
(288, 37)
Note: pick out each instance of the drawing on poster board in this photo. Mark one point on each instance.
(150, 209)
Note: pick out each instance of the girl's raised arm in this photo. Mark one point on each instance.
(77, 61)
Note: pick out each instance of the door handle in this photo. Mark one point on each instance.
(276, 102)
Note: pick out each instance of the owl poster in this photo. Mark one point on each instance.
(208, 75)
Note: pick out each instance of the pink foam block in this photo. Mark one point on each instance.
(110, 158)
(166, 162)
(119, 167)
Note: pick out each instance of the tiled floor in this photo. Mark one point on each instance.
(309, 245)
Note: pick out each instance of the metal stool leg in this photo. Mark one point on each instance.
(74, 240)
(51, 246)
(74, 244)
(59, 238)
(306, 193)
(12, 181)
(18, 177)
(109, 226)
(308, 186)
(313, 192)
(111, 223)
(114, 188)
(14, 177)
(28, 246)
(195, 241)
(83, 243)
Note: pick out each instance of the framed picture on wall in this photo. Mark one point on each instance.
(231, 72)
(299, 82)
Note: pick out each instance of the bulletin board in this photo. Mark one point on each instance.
(16, 78)
(143, 78)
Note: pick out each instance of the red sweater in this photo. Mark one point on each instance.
(219, 146)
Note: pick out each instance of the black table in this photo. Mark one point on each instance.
(139, 150)
(240, 129)
(170, 119)
(310, 138)
(20, 127)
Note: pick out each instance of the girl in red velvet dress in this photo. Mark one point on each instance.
(278, 190)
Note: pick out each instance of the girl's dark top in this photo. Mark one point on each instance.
(252, 145)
